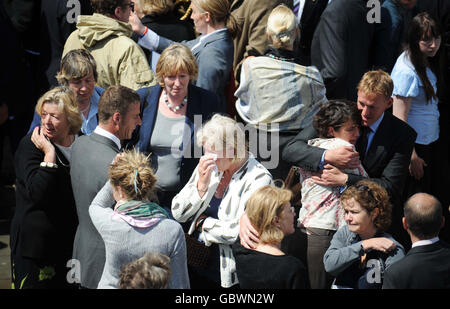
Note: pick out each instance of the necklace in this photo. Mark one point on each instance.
(86, 109)
(173, 108)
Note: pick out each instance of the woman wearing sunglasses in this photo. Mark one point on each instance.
(361, 251)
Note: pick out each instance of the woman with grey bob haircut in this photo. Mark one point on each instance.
(214, 198)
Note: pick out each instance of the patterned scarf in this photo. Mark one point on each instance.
(140, 214)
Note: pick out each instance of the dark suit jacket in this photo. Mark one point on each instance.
(202, 104)
(342, 45)
(310, 18)
(45, 220)
(91, 156)
(386, 162)
(424, 267)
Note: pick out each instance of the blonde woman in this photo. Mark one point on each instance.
(170, 112)
(135, 225)
(214, 198)
(213, 49)
(277, 76)
(45, 219)
(270, 212)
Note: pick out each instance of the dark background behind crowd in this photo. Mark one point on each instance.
(33, 34)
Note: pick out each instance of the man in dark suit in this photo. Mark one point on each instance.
(427, 264)
(118, 115)
(342, 45)
(384, 147)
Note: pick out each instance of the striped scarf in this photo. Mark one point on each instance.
(140, 214)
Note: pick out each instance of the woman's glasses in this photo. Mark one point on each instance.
(365, 188)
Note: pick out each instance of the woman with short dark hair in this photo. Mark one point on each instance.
(337, 123)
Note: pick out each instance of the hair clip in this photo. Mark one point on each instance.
(135, 181)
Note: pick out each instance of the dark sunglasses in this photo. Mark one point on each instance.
(364, 188)
(131, 5)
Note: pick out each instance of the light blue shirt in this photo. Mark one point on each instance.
(91, 122)
(88, 126)
(373, 130)
(423, 116)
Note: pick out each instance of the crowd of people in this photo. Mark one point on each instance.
(153, 155)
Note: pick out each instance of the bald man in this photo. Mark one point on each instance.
(427, 264)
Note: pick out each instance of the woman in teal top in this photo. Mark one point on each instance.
(415, 100)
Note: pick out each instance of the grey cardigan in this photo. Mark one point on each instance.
(346, 249)
(125, 243)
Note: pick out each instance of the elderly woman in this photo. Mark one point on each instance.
(79, 72)
(171, 109)
(159, 16)
(45, 219)
(270, 212)
(213, 49)
(321, 215)
(214, 198)
(360, 251)
(135, 225)
(278, 77)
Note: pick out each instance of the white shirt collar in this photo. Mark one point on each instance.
(109, 135)
(425, 242)
(203, 37)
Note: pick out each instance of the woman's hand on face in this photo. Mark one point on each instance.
(205, 166)
(416, 166)
(136, 23)
(43, 144)
(247, 233)
(382, 244)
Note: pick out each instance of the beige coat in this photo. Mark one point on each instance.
(252, 16)
(120, 61)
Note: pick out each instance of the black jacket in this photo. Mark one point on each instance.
(45, 219)
(342, 46)
(424, 267)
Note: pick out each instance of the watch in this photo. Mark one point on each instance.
(49, 165)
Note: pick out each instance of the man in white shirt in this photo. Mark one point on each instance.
(118, 113)
(427, 264)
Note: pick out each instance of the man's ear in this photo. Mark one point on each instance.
(116, 117)
(390, 102)
(405, 224)
(117, 12)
